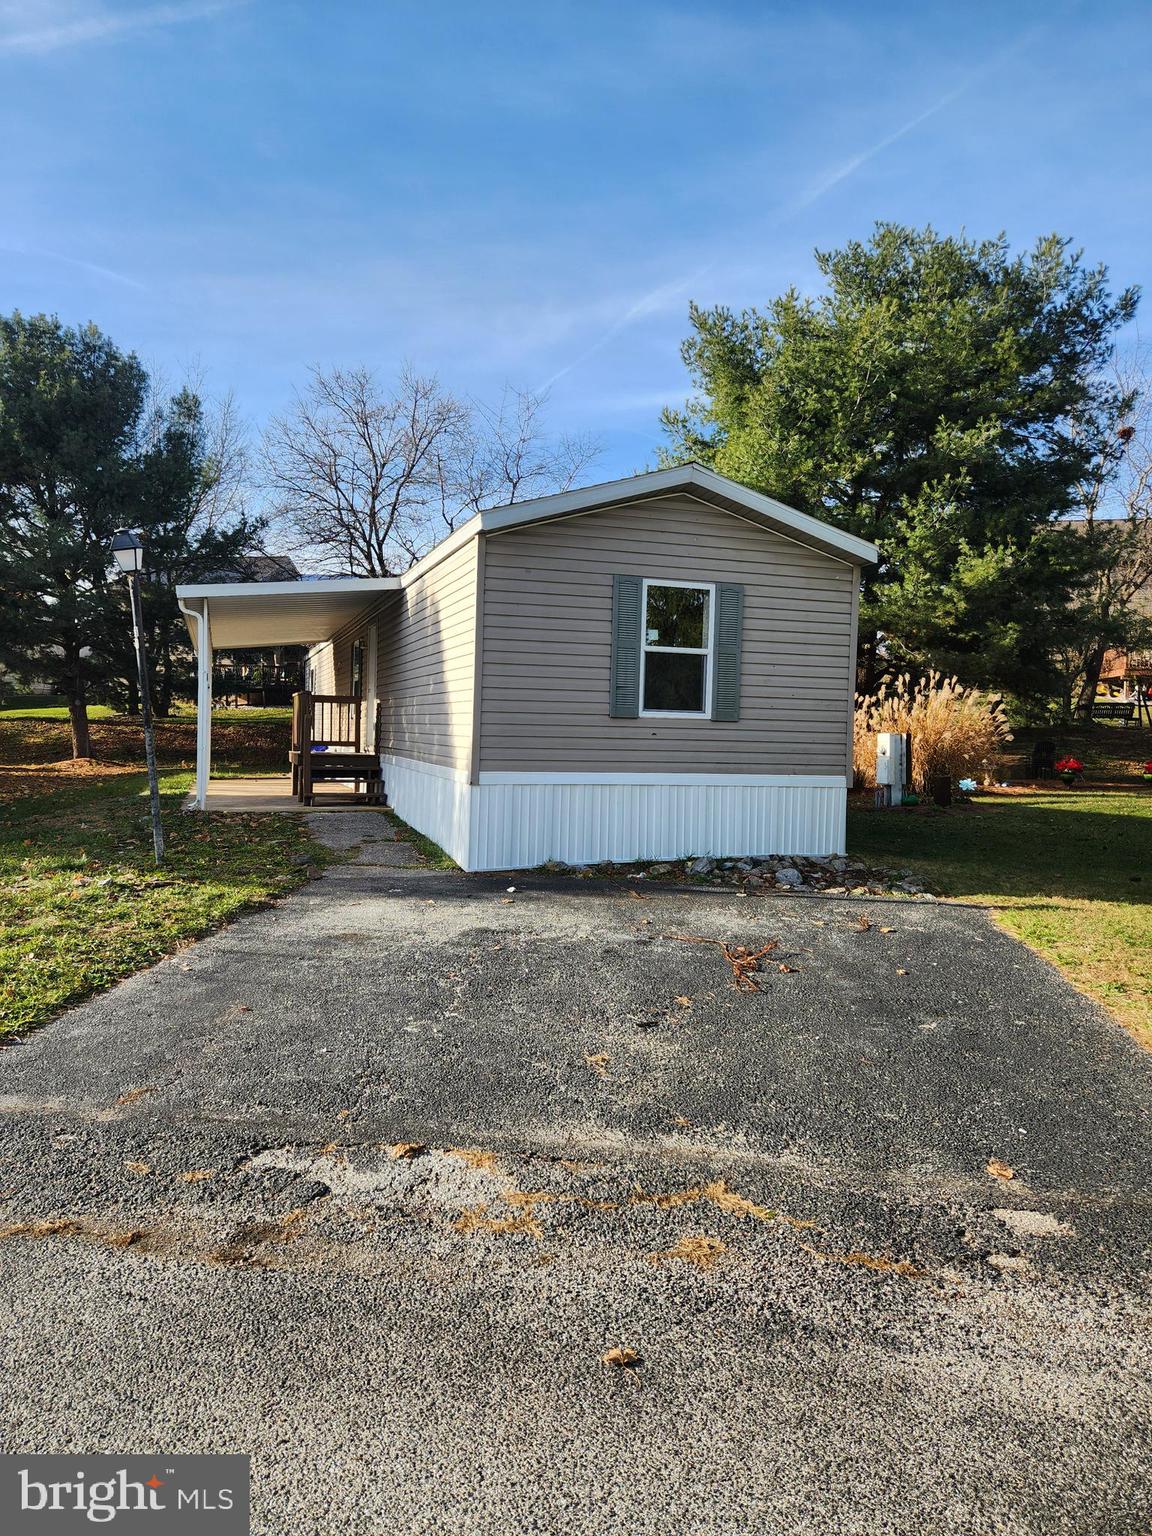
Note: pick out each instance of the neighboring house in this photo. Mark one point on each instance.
(1129, 670)
(259, 568)
(13, 686)
(652, 668)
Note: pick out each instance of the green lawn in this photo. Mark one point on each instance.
(243, 740)
(54, 712)
(82, 904)
(1069, 871)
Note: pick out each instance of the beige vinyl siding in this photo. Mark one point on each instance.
(425, 666)
(547, 639)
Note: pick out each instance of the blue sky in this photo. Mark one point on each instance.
(531, 193)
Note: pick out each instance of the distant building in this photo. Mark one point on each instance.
(259, 568)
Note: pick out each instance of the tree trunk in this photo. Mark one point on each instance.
(867, 663)
(78, 720)
(1092, 670)
(162, 681)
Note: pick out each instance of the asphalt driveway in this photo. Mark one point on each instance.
(779, 1198)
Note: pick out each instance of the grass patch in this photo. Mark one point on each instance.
(1068, 871)
(57, 712)
(432, 853)
(244, 740)
(82, 904)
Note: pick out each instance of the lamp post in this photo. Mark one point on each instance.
(128, 553)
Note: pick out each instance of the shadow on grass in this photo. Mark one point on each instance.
(1097, 846)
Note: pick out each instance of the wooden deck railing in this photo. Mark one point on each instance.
(333, 720)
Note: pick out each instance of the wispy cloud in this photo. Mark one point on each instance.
(24, 30)
(657, 299)
(841, 173)
(107, 274)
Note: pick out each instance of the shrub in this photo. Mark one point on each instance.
(955, 731)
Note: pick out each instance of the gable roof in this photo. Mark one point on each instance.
(691, 479)
(307, 611)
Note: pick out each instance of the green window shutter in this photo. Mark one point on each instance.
(627, 602)
(726, 656)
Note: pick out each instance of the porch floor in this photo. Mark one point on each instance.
(273, 792)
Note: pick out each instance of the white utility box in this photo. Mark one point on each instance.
(892, 766)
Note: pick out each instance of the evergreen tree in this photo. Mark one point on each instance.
(943, 399)
(82, 453)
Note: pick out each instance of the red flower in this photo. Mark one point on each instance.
(1069, 765)
(1148, 766)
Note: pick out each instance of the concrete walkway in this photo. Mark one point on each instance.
(368, 1183)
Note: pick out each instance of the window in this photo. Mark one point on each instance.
(676, 660)
(357, 669)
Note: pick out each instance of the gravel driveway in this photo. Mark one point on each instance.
(778, 1198)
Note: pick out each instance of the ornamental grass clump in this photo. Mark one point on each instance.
(956, 731)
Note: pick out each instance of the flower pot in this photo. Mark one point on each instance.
(1068, 778)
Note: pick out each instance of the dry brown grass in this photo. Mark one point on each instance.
(701, 1252)
(956, 732)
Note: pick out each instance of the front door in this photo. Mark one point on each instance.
(368, 726)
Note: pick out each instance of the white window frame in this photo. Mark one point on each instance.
(707, 651)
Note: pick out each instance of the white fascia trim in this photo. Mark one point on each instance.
(323, 588)
(433, 770)
(713, 780)
(680, 477)
(455, 540)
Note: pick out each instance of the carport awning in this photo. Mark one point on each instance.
(260, 613)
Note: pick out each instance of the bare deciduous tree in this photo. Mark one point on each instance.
(1116, 511)
(369, 479)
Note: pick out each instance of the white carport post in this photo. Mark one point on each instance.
(203, 707)
(203, 697)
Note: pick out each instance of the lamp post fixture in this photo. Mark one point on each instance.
(128, 553)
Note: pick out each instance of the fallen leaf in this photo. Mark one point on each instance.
(999, 1170)
(243, 1008)
(197, 1175)
(685, 1002)
(887, 930)
(140, 1168)
(900, 971)
(344, 1114)
(742, 961)
(788, 970)
(406, 1149)
(598, 1063)
(863, 922)
(621, 1356)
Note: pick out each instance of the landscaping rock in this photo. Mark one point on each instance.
(701, 866)
(789, 877)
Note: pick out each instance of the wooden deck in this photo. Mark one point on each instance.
(273, 792)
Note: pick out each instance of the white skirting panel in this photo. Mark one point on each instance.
(433, 800)
(515, 826)
(518, 825)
